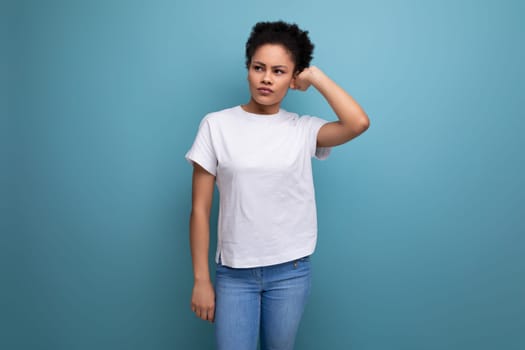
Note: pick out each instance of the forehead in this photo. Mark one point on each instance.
(273, 54)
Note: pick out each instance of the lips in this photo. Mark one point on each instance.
(265, 91)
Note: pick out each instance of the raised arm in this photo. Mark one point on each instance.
(353, 120)
(203, 295)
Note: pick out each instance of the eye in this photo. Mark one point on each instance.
(257, 68)
(279, 71)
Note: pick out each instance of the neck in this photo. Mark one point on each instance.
(256, 108)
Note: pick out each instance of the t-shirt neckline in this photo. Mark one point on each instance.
(260, 116)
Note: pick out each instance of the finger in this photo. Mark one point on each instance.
(201, 314)
(302, 87)
(211, 314)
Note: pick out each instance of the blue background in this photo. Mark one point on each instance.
(421, 231)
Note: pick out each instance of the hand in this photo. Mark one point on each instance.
(203, 300)
(304, 79)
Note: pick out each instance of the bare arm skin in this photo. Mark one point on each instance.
(203, 295)
(353, 120)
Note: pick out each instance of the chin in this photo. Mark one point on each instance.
(267, 102)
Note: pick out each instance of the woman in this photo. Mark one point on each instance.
(259, 155)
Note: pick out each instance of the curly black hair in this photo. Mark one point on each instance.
(295, 40)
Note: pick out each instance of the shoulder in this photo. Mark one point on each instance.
(304, 118)
(310, 121)
(220, 117)
(223, 113)
(306, 122)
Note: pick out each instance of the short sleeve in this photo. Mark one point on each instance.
(314, 125)
(202, 151)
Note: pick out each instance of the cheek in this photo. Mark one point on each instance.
(253, 79)
(285, 85)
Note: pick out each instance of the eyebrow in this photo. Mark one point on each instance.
(277, 66)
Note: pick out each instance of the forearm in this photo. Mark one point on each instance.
(348, 111)
(199, 244)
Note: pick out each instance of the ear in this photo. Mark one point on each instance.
(292, 82)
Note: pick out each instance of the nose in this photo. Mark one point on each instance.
(266, 79)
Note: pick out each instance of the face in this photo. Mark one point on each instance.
(270, 74)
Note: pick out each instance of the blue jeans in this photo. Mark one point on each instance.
(266, 301)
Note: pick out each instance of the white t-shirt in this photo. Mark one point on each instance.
(263, 169)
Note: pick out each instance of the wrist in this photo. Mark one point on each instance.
(201, 279)
(201, 275)
(314, 74)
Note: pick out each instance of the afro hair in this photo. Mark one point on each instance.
(289, 35)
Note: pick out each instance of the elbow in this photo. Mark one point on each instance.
(363, 124)
(357, 128)
(199, 213)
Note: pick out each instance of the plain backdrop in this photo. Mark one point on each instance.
(421, 230)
